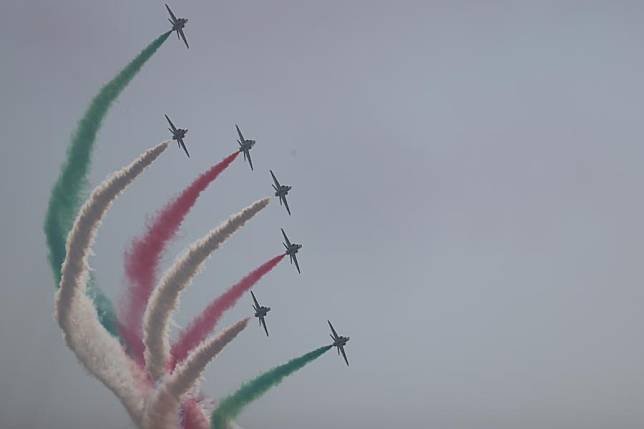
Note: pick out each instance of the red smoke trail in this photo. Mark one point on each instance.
(193, 416)
(200, 327)
(142, 259)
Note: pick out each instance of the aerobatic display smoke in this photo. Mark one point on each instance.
(143, 258)
(67, 193)
(193, 416)
(157, 384)
(201, 326)
(163, 408)
(165, 297)
(231, 406)
(186, 375)
(99, 352)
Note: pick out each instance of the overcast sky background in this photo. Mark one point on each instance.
(467, 184)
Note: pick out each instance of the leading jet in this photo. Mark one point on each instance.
(177, 25)
(245, 146)
(178, 134)
(260, 312)
(281, 191)
(339, 341)
(291, 250)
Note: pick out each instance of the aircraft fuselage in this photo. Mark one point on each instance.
(341, 341)
(179, 24)
(282, 191)
(293, 248)
(262, 312)
(179, 134)
(246, 145)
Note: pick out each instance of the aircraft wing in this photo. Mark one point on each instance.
(285, 237)
(171, 124)
(335, 334)
(183, 146)
(263, 322)
(283, 198)
(344, 355)
(183, 36)
(240, 134)
(250, 161)
(254, 299)
(274, 179)
(296, 264)
(174, 18)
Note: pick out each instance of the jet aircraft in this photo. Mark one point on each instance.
(339, 342)
(245, 146)
(178, 134)
(177, 25)
(281, 191)
(291, 250)
(260, 312)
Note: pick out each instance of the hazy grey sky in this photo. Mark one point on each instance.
(467, 186)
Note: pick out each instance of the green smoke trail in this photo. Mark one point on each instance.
(230, 407)
(67, 194)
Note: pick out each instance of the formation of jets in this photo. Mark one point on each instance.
(281, 191)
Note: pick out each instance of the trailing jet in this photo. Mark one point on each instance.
(281, 191)
(260, 312)
(291, 250)
(178, 134)
(177, 25)
(339, 342)
(245, 146)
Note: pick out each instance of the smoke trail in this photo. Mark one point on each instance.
(165, 297)
(99, 352)
(193, 416)
(231, 406)
(162, 409)
(67, 193)
(199, 328)
(102, 355)
(142, 261)
(189, 372)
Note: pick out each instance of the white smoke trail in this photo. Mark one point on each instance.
(165, 297)
(187, 374)
(161, 411)
(94, 347)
